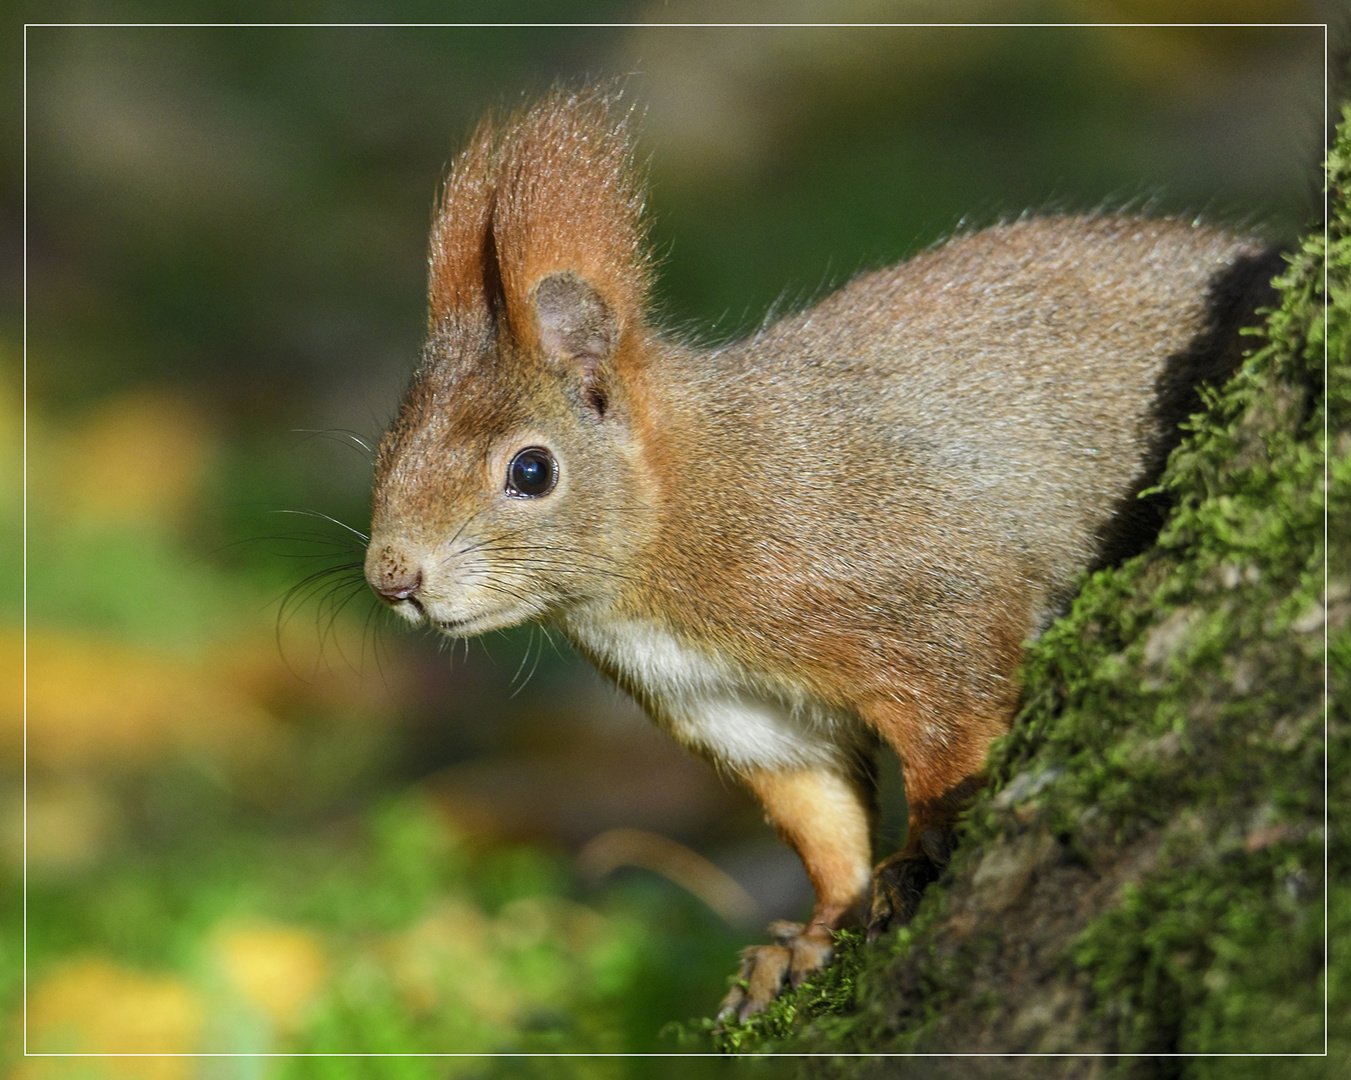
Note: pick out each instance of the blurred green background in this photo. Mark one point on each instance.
(262, 819)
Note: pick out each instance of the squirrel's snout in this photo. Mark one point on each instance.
(393, 578)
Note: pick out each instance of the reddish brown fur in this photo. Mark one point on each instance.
(457, 288)
(841, 529)
(554, 190)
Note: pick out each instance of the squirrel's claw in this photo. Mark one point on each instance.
(765, 969)
(899, 882)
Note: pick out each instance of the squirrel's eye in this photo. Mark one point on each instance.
(532, 473)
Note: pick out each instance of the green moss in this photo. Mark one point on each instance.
(1220, 947)
(832, 993)
(1145, 874)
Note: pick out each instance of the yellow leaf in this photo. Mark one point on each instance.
(96, 702)
(279, 970)
(93, 1006)
(138, 457)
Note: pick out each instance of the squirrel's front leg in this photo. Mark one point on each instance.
(827, 817)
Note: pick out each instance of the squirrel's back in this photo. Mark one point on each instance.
(1005, 397)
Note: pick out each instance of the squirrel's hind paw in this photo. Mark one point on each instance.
(899, 881)
(801, 952)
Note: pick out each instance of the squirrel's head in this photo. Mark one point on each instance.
(507, 486)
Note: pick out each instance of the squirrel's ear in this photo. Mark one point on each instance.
(576, 326)
(575, 323)
(567, 231)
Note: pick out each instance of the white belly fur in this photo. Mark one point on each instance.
(742, 721)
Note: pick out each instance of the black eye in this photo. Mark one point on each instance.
(532, 473)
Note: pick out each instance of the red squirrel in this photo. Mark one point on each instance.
(838, 532)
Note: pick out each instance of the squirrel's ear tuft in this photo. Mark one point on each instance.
(463, 279)
(539, 231)
(567, 226)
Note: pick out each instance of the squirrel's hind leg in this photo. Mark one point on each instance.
(943, 766)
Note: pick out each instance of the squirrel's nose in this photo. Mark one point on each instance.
(400, 588)
(394, 579)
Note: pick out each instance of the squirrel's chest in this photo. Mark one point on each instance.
(710, 704)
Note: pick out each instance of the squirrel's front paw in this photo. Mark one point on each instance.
(802, 951)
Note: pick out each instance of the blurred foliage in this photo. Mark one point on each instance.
(232, 832)
(382, 935)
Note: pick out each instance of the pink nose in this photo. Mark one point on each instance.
(393, 579)
(400, 588)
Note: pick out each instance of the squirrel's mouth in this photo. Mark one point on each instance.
(460, 615)
(408, 607)
(454, 626)
(477, 624)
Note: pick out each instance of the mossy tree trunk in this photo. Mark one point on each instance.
(1151, 874)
